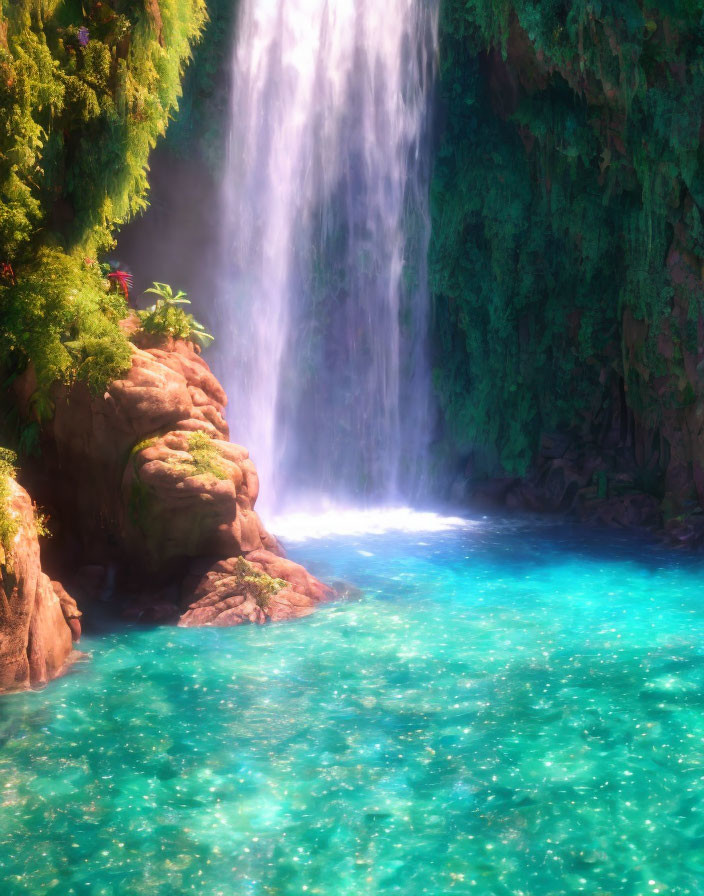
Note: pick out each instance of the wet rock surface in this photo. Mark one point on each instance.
(262, 587)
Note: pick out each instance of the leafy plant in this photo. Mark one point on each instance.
(85, 91)
(167, 317)
(257, 584)
(9, 523)
(60, 316)
(41, 522)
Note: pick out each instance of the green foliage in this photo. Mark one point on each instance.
(61, 316)
(257, 584)
(205, 458)
(41, 523)
(198, 129)
(167, 317)
(77, 123)
(80, 111)
(570, 162)
(9, 523)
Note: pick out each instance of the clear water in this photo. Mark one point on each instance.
(506, 710)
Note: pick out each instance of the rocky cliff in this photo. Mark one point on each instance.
(38, 619)
(145, 472)
(142, 480)
(567, 257)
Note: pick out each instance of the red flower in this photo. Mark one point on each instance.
(123, 281)
(7, 273)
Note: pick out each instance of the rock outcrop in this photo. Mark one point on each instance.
(38, 619)
(263, 587)
(147, 469)
(152, 486)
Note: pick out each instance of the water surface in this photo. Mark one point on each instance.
(506, 710)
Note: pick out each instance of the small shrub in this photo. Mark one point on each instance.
(167, 317)
(60, 317)
(41, 523)
(257, 584)
(205, 458)
(9, 523)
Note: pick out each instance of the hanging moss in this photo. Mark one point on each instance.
(199, 128)
(85, 91)
(570, 159)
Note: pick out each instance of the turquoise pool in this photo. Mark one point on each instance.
(508, 709)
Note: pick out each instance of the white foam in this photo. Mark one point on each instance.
(351, 522)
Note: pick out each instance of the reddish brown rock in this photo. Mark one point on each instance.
(70, 610)
(301, 580)
(264, 587)
(146, 481)
(35, 634)
(118, 466)
(177, 509)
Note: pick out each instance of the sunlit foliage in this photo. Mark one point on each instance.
(85, 91)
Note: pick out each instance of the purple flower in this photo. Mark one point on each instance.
(83, 36)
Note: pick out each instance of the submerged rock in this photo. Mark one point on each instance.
(38, 619)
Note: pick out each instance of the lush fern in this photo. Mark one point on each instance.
(167, 317)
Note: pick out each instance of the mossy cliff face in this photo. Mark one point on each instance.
(567, 249)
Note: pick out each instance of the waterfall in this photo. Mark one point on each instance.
(322, 304)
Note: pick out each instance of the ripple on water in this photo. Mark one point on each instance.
(506, 710)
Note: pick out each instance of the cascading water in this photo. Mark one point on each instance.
(322, 306)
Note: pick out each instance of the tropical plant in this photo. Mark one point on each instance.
(61, 317)
(9, 523)
(167, 317)
(85, 91)
(256, 583)
(121, 281)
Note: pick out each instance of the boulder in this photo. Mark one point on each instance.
(259, 588)
(146, 481)
(188, 494)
